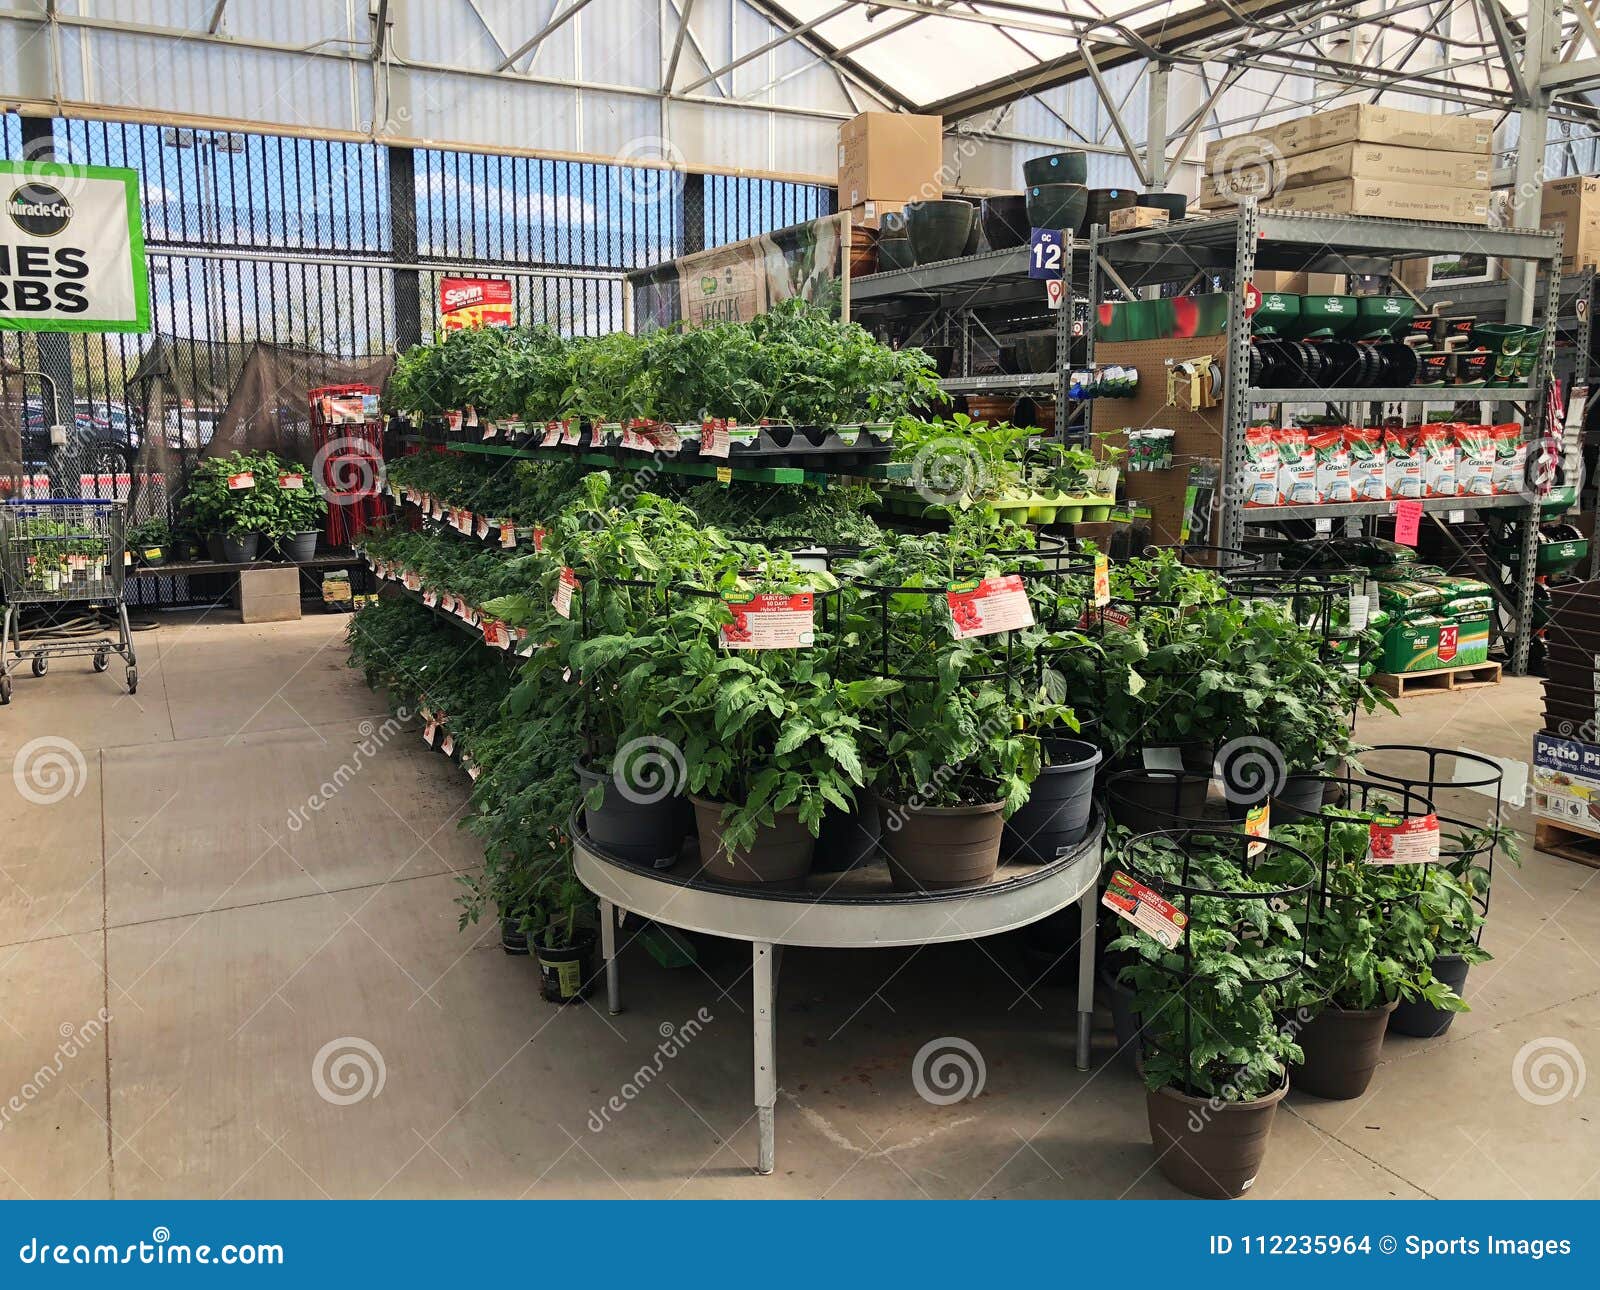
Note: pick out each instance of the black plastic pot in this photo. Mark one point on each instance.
(1125, 1022)
(1156, 799)
(566, 971)
(144, 556)
(895, 253)
(938, 230)
(1056, 814)
(240, 548)
(1176, 205)
(1420, 1019)
(1057, 168)
(640, 829)
(1102, 201)
(513, 940)
(214, 549)
(848, 838)
(297, 548)
(1005, 222)
(1301, 795)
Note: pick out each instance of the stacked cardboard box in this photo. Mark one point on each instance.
(1364, 159)
(887, 159)
(1572, 206)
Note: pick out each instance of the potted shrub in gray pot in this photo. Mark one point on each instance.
(301, 510)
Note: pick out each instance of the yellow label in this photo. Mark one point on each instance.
(568, 977)
(152, 553)
(1102, 580)
(724, 474)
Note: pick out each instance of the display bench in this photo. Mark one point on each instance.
(1228, 249)
(851, 910)
(260, 589)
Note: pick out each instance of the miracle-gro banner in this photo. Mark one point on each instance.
(71, 249)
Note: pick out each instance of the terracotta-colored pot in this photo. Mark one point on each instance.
(1209, 1148)
(780, 856)
(935, 847)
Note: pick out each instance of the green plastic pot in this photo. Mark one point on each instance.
(1057, 206)
(1069, 513)
(1042, 514)
(1096, 514)
(938, 230)
(1057, 168)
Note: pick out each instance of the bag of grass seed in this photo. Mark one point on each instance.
(1474, 461)
(1332, 455)
(1436, 443)
(1510, 457)
(1404, 468)
(1261, 467)
(1368, 463)
(1297, 468)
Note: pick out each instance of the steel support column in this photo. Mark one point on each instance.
(55, 347)
(1155, 125)
(1541, 47)
(406, 284)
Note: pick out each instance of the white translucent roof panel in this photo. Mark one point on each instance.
(929, 50)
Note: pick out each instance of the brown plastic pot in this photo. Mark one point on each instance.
(932, 848)
(1208, 1148)
(1342, 1046)
(780, 856)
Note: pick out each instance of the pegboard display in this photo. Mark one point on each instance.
(1197, 435)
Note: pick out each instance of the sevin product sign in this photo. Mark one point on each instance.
(71, 249)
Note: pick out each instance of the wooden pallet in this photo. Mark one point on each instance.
(1578, 845)
(1403, 685)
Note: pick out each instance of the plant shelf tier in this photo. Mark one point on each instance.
(1337, 510)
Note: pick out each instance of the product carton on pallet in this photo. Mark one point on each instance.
(1360, 123)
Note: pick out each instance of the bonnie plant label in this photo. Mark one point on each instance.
(496, 634)
(562, 600)
(413, 581)
(538, 537)
(508, 535)
(430, 598)
(715, 440)
(771, 621)
(1102, 581)
(1258, 824)
(990, 606)
(447, 745)
(1396, 841)
(1142, 907)
(571, 435)
(490, 430)
(293, 483)
(552, 434)
(243, 480)
(480, 526)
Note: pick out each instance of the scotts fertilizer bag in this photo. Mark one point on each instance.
(1405, 463)
(1436, 444)
(1464, 596)
(1260, 467)
(1474, 461)
(1297, 469)
(1368, 463)
(1332, 456)
(1408, 599)
(1510, 457)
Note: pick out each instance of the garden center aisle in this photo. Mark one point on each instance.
(250, 871)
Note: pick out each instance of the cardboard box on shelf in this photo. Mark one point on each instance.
(1137, 217)
(1573, 206)
(1393, 200)
(1358, 123)
(1269, 281)
(870, 214)
(1381, 161)
(891, 156)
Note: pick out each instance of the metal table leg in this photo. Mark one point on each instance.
(608, 947)
(764, 991)
(1088, 909)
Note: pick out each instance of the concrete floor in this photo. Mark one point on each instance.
(238, 958)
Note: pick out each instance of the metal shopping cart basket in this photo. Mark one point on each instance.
(59, 552)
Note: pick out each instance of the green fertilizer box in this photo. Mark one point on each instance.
(1428, 642)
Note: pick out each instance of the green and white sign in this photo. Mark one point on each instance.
(71, 249)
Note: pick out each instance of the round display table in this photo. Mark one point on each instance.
(853, 910)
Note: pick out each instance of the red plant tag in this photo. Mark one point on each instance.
(508, 534)
(480, 526)
(715, 440)
(993, 605)
(496, 634)
(771, 621)
(562, 600)
(538, 538)
(1414, 841)
(292, 482)
(244, 479)
(1147, 911)
(430, 598)
(552, 434)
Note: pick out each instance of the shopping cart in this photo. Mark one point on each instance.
(58, 552)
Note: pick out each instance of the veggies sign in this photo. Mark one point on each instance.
(71, 249)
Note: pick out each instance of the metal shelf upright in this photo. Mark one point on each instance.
(1231, 246)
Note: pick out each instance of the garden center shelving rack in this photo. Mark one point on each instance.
(1233, 245)
(960, 300)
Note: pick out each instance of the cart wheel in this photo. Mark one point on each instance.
(40, 664)
(133, 680)
(5, 689)
(101, 662)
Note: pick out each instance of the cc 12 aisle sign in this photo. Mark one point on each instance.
(71, 249)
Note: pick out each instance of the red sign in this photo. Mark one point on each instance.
(474, 302)
(1407, 521)
(1413, 841)
(1449, 638)
(990, 606)
(1252, 299)
(771, 621)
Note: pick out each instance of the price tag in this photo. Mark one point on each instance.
(292, 482)
(508, 535)
(715, 441)
(243, 480)
(1147, 911)
(447, 602)
(429, 731)
(1325, 524)
(1163, 758)
(724, 474)
(1407, 521)
(447, 745)
(490, 430)
(990, 606)
(1457, 517)
(1258, 824)
(571, 435)
(1045, 253)
(430, 598)
(552, 434)
(150, 553)
(562, 600)
(472, 416)
(771, 621)
(1395, 841)
(496, 634)
(538, 538)
(412, 581)
(1102, 581)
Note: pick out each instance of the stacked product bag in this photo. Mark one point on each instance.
(1435, 619)
(1321, 465)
